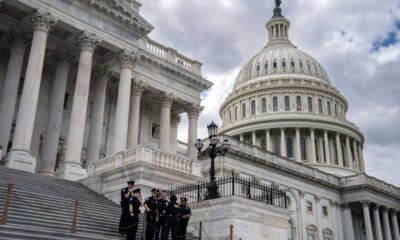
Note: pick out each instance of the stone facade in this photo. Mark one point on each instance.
(87, 95)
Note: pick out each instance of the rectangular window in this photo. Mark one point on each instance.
(325, 211)
(155, 130)
(309, 206)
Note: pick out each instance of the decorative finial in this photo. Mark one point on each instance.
(277, 9)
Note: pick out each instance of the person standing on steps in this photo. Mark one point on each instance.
(162, 204)
(151, 218)
(135, 202)
(186, 213)
(171, 224)
(126, 194)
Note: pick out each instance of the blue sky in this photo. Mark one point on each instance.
(356, 41)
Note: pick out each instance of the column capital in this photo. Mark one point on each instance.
(43, 20)
(385, 209)
(365, 202)
(345, 205)
(301, 193)
(376, 207)
(333, 202)
(62, 55)
(88, 41)
(100, 70)
(194, 110)
(175, 119)
(138, 87)
(166, 99)
(127, 58)
(17, 38)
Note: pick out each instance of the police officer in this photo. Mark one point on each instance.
(171, 224)
(186, 213)
(162, 204)
(151, 218)
(126, 194)
(135, 202)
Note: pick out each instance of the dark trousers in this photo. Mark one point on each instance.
(159, 227)
(132, 228)
(123, 221)
(182, 226)
(171, 225)
(151, 226)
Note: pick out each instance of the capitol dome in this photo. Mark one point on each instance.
(284, 103)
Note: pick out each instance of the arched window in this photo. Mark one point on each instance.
(258, 67)
(308, 67)
(301, 64)
(236, 113)
(292, 63)
(266, 66)
(277, 146)
(289, 147)
(319, 106)
(329, 107)
(303, 148)
(290, 232)
(243, 110)
(283, 63)
(263, 105)
(253, 107)
(264, 143)
(335, 156)
(298, 103)
(275, 104)
(317, 151)
(274, 65)
(310, 104)
(230, 115)
(287, 103)
(327, 234)
(311, 232)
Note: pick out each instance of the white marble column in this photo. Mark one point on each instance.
(321, 149)
(175, 120)
(283, 143)
(367, 220)
(111, 119)
(303, 214)
(100, 76)
(361, 158)
(377, 223)
(253, 138)
(268, 139)
(313, 151)
(348, 154)
(386, 225)
(326, 148)
(8, 97)
(138, 88)
(395, 225)
(193, 112)
(297, 146)
(20, 157)
(348, 230)
(127, 60)
(318, 212)
(339, 150)
(52, 135)
(72, 169)
(241, 137)
(355, 152)
(166, 100)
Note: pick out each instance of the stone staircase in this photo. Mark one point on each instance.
(42, 207)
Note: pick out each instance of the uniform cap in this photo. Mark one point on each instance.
(155, 190)
(131, 182)
(184, 199)
(136, 190)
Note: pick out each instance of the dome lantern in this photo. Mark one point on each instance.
(278, 26)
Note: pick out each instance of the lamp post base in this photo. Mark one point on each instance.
(212, 191)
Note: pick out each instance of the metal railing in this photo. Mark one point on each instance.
(234, 186)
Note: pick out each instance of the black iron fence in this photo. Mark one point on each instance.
(234, 186)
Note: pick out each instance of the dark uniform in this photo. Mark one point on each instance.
(134, 217)
(183, 222)
(171, 223)
(151, 223)
(123, 221)
(162, 208)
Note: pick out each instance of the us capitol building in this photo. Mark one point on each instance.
(87, 96)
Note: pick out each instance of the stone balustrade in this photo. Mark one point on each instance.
(170, 55)
(363, 179)
(182, 148)
(149, 155)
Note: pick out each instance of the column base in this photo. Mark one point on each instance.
(21, 160)
(71, 171)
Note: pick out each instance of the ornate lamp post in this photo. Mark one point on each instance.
(212, 150)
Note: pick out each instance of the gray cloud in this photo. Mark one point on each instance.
(224, 34)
